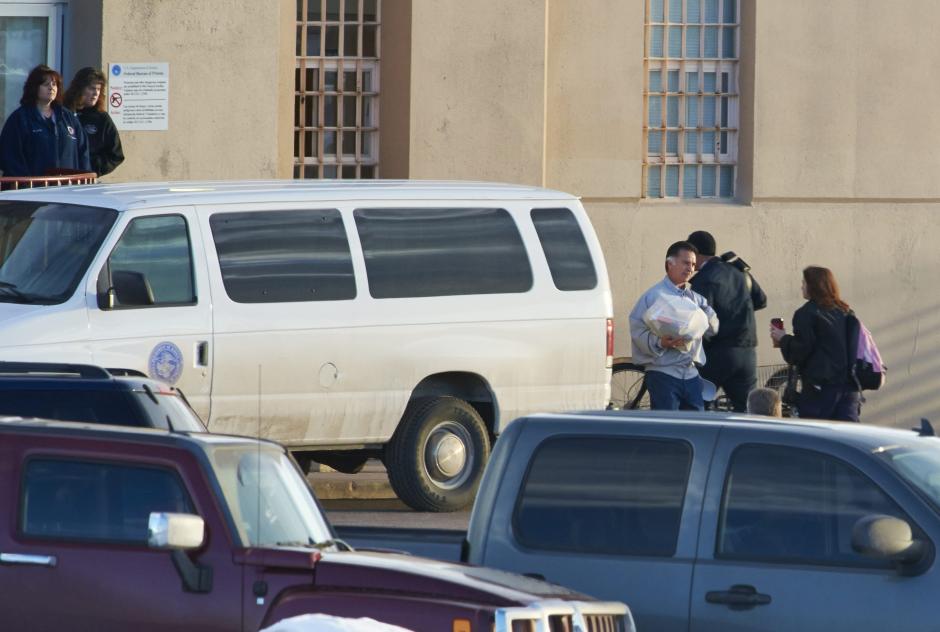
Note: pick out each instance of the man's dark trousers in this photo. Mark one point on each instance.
(733, 369)
(672, 393)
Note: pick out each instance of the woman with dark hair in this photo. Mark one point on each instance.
(84, 98)
(41, 137)
(818, 347)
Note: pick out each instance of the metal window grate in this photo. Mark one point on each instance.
(691, 100)
(336, 89)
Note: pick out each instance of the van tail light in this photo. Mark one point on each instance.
(610, 343)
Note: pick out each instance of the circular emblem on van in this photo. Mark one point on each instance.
(166, 363)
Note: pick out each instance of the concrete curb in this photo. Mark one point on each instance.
(369, 484)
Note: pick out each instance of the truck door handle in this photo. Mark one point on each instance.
(32, 560)
(202, 353)
(738, 596)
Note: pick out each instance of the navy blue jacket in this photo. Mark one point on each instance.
(725, 289)
(31, 145)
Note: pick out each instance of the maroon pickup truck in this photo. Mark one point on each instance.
(109, 528)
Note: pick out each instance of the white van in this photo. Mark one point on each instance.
(403, 320)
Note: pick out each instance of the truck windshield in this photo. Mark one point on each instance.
(45, 248)
(918, 463)
(269, 501)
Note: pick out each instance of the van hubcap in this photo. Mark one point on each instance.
(447, 452)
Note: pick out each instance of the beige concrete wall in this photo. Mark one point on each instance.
(595, 98)
(883, 256)
(845, 103)
(477, 89)
(228, 75)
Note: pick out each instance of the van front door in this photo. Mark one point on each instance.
(150, 309)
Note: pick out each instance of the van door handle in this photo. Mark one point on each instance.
(202, 353)
(32, 560)
(739, 596)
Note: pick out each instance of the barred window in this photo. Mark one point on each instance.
(336, 89)
(691, 98)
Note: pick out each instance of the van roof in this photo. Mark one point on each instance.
(156, 194)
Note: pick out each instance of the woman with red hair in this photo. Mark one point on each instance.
(818, 347)
(41, 137)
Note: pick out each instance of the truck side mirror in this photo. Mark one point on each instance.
(175, 531)
(888, 538)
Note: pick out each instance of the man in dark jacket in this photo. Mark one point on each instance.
(731, 354)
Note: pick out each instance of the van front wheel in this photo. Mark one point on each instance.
(436, 456)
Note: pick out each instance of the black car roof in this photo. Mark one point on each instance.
(66, 376)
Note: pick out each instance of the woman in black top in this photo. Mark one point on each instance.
(84, 98)
(818, 348)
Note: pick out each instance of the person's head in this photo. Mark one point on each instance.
(819, 286)
(764, 401)
(43, 87)
(704, 243)
(85, 90)
(680, 262)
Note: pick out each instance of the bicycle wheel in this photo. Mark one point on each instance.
(628, 387)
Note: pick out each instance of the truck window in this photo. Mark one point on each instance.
(96, 501)
(791, 505)
(415, 252)
(156, 251)
(566, 252)
(284, 256)
(605, 496)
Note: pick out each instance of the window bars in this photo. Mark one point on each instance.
(336, 89)
(691, 100)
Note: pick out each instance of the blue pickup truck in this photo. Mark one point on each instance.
(708, 522)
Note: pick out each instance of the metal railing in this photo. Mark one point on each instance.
(33, 182)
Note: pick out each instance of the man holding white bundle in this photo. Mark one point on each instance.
(666, 326)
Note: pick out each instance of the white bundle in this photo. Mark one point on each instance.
(677, 317)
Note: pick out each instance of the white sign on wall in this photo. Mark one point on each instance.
(139, 95)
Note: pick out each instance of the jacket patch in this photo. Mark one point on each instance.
(91, 129)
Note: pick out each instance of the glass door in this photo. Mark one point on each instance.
(30, 34)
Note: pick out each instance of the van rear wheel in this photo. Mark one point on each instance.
(436, 456)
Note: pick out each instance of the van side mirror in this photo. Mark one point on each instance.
(888, 538)
(175, 531)
(131, 288)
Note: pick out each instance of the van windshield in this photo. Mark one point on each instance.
(45, 248)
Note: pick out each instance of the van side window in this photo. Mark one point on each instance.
(569, 259)
(284, 256)
(605, 496)
(415, 252)
(96, 501)
(790, 505)
(152, 264)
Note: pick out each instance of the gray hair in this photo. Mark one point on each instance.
(764, 401)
